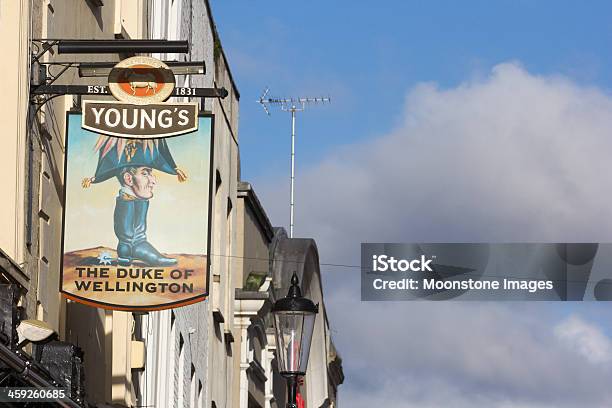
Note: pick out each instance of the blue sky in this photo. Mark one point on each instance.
(366, 55)
(473, 121)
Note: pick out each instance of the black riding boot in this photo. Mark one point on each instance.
(142, 249)
(124, 230)
(131, 230)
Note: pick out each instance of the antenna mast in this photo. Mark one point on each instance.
(292, 105)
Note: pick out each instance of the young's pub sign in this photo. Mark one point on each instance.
(136, 231)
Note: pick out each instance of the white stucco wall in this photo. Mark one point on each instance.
(207, 356)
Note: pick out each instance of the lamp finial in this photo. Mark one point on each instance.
(294, 289)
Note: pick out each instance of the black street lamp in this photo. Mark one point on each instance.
(294, 318)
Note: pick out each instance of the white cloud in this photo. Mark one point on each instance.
(478, 354)
(408, 392)
(509, 157)
(585, 339)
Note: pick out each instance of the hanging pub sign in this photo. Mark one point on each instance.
(141, 80)
(136, 232)
(130, 120)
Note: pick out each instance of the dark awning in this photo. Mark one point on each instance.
(30, 374)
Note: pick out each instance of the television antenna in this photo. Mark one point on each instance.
(292, 105)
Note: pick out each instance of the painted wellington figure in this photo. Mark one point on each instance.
(131, 162)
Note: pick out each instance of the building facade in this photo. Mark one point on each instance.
(186, 345)
(33, 179)
(215, 353)
(269, 258)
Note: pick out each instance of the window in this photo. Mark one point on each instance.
(129, 21)
(171, 361)
(96, 3)
(200, 395)
(192, 388)
(181, 374)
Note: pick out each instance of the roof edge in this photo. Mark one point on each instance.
(217, 40)
(246, 191)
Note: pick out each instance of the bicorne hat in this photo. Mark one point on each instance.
(117, 153)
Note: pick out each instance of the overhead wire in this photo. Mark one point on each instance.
(338, 265)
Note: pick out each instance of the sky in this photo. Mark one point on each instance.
(450, 122)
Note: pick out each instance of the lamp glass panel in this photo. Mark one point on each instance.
(308, 329)
(293, 336)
